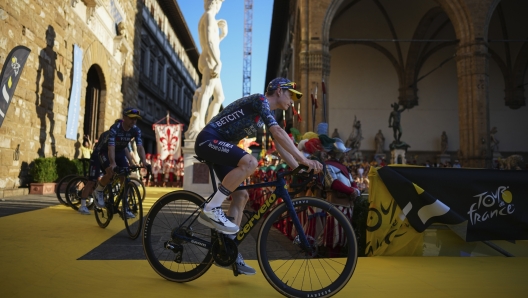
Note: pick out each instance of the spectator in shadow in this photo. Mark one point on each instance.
(45, 92)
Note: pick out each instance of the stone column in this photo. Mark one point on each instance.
(473, 99)
(315, 61)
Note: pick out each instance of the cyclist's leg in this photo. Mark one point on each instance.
(223, 153)
(104, 163)
(93, 174)
(122, 162)
(237, 206)
(245, 167)
(236, 212)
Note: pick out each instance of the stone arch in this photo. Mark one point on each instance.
(97, 55)
(327, 22)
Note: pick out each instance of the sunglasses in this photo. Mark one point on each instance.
(132, 111)
(290, 85)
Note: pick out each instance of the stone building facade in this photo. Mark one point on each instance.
(458, 66)
(109, 34)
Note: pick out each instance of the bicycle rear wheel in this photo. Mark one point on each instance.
(74, 191)
(321, 271)
(62, 186)
(132, 202)
(171, 257)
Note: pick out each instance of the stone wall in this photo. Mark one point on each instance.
(35, 122)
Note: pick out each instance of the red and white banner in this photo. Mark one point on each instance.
(168, 140)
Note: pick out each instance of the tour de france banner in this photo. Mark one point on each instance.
(168, 140)
(11, 72)
(389, 233)
(477, 204)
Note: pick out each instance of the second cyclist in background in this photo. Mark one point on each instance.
(112, 151)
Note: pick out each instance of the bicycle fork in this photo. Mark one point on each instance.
(301, 239)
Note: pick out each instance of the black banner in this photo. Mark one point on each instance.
(9, 77)
(484, 204)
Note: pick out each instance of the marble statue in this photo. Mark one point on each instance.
(443, 143)
(354, 140)
(211, 32)
(494, 143)
(194, 123)
(335, 134)
(379, 141)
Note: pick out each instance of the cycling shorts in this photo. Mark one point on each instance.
(210, 146)
(99, 161)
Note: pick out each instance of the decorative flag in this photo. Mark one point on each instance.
(324, 102)
(295, 113)
(11, 72)
(168, 140)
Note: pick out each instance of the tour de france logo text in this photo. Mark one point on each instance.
(491, 204)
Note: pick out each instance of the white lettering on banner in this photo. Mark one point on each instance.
(491, 205)
(230, 118)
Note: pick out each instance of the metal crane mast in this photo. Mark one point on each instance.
(248, 28)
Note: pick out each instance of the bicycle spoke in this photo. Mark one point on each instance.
(169, 217)
(323, 268)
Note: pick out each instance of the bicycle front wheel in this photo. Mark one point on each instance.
(172, 257)
(104, 215)
(132, 209)
(325, 267)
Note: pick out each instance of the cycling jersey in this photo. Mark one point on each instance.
(242, 118)
(119, 138)
(103, 138)
(217, 142)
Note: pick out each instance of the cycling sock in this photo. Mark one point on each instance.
(99, 187)
(218, 198)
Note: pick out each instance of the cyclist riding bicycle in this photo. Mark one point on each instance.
(217, 141)
(111, 151)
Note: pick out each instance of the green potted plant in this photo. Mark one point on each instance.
(44, 174)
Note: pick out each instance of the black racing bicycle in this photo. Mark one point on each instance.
(122, 196)
(306, 247)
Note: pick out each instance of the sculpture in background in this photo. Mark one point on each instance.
(394, 121)
(194, 123)
(443, 143)
(354, 140)
(379, 141)
(211, 32)
(335, 134)
(512, 162)
(494, 143)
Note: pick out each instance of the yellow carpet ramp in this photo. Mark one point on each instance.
(39, 252)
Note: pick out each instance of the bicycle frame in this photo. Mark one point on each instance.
(116, 180)
(280, 192)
